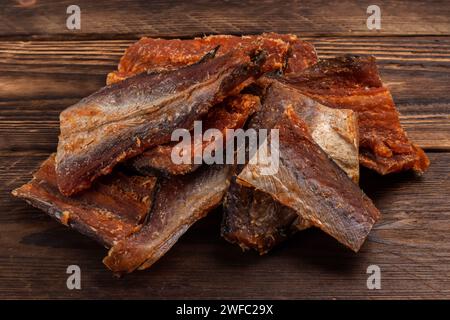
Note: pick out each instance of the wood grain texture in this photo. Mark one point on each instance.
(121, 18)
(44, 68)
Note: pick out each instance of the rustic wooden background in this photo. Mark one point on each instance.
(44, 68)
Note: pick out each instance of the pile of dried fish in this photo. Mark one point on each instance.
(113, 177)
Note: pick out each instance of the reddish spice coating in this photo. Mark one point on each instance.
(111, 210)
(352, 82)
(152, 54)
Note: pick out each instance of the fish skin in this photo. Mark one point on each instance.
(310, 183)
(111, 210)
(353, 82)
(253, 219)
(122, 120)
(284, 52)
(230, 114)
(196, 195)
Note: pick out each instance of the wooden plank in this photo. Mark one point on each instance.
(55, 69)
(38, 79)
(430, 132)
(123, 18)
(410, 244)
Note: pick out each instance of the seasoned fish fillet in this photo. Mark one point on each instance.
(112, 209)
(180, 202)
(149, 54)
(122, 120)
(352, 82)
(230, 114)
(308, 182)
(252, 218)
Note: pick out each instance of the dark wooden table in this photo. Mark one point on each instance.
(44, 67)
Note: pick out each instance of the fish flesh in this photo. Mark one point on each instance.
(114, 208)
(301, 54)
(353, 82)
(230, 114)
(120, 121)
(334, 130)
(179, 203)
(253, 219)
(308, 182)
(284, 52)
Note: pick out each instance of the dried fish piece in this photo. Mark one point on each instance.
(150, 54)
(252, 218)
(196, 194)
(122, 120)
(353, 82)
(310, 183)
(301, 54)
(334, 130)
(111, 210)
(230, 114)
